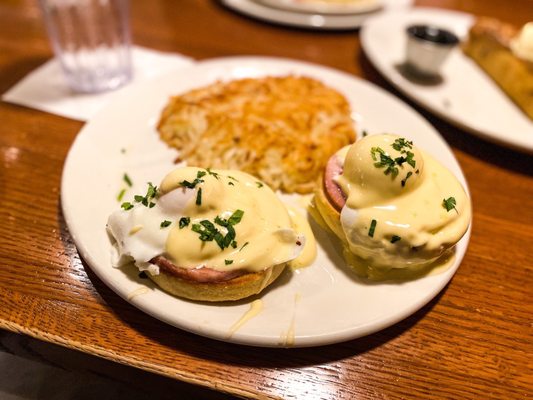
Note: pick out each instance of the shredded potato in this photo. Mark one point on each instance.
(280, 129)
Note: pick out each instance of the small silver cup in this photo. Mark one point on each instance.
(428, 47)
(91, 40)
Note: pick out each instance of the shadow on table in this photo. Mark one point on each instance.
(233, 354)
(457, 138)
(248, 356)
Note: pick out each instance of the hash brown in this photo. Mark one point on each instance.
(280, 129)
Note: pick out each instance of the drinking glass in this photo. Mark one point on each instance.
(91, 40)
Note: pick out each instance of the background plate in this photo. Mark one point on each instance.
(324, 303)
(356, 7)
(466, 97)
(308, 20)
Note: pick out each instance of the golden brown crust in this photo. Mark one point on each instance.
(279, 129)
(234, 289)
(488, 45)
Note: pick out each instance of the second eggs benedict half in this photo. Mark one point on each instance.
(209, 235)
(393, 206)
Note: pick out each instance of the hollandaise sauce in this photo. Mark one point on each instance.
(403, 208)
(224, 220)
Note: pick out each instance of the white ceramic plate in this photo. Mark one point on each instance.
(318, 305)
(325, 7)
(318, 21)
(466, 97)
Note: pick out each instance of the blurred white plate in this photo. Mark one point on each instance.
(325, 6)
(324, 303)
(466, 97)
(317, 21)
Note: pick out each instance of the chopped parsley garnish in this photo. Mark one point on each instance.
(244, 245)
(236, 217)
(127, 180)
(391, 165)
(197, 180)
(147, 199)
(126, 206)
(199, 197)
(165, 223)
(406, 177)
(206, 229)
(121, 195)
(212, 173)
(372, 228)
(231, 184)
(401, 144)
(228, 262)
(384, 161)
(184, 221)
(449, 204)
(232, 178)
(365, 133)
(395, 238)
(259, 184)
(209, 232)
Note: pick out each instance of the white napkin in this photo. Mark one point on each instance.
(46, 89)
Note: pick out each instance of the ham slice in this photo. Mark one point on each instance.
(333, 191)
(199, 275)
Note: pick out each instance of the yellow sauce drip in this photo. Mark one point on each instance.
(308, 254)
(287, 339)
(255, 308)
(137, 292)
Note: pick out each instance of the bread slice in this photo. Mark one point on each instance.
(489, 46)
(234, 289)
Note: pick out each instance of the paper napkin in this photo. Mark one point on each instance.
(46, 88)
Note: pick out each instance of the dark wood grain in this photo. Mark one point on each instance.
(473, 341)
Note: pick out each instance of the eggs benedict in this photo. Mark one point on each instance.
(209, 235)
(393, 206)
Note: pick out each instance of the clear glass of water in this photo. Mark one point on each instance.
(91, 40)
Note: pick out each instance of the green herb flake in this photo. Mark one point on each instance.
(126, 206)
(231, 184)
(372, 228)
(121, 195)
(365, 133)
(236, 217)
(165, 224)
(150, 194)
(259, 184)
(212, 173)
(395, 238)
(197, 180)
(449, 204)
(232, 178)
(244, 245)
(127, 179)
(199, 197)
(385, 161)
(228, 262)
(406, 177)
(402, 144)
(184, 221)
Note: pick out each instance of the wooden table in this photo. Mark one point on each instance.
(473, 341)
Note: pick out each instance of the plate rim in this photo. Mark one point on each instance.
(251, 339)
(333, 22)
